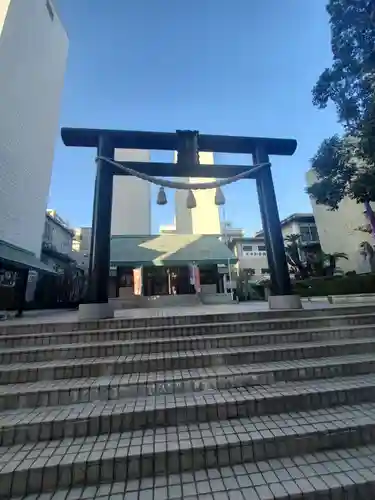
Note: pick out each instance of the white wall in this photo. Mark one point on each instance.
(337, 230)
(131, 205)
(33, 53)
(205, 217)
(252, 259)
(290, 228)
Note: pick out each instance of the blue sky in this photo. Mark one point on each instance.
(237, 67)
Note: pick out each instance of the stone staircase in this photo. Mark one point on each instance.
(260, 406)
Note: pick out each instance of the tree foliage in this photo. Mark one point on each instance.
(349, 82)
(341, 170)
(315, 262)
(345, 166)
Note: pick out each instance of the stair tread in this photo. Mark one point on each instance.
(197, 436)
(277, 479)
(139, 404)
(147, 378)
(183, 338)
(185, 353)
(268, 320)
(150, 339)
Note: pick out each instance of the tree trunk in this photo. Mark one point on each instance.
(371, 217)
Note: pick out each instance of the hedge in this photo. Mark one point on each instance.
(336, 285)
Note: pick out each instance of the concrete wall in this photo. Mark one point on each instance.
(81, 246)
(82, 258)
(131, 205)
(59, 237)
(290, 228)
(205, 217)
(337, 230)
(33, 54)
(85, 239)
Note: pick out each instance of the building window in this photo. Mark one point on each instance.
(50, 10)
(261, 248)
(247, 248)
(265, 270)
(309, 233)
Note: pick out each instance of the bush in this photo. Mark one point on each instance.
(336, 285)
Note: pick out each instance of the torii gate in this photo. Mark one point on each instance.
(187, 144)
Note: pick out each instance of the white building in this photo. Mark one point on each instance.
(252, 257)
(205, 217)
(57, 241)
(299, 223)
(81, 246)
(252, 253)
(33, 55)
(338, 230)
(58, 233)
(229, 232)
(131, 204)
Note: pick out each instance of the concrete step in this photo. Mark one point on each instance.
(117, 365)
(102, 417)
(337, 475)
(48, 465)
(274, 326)
(185, 343)
(197, 343)
(82, 390)
(222, 314)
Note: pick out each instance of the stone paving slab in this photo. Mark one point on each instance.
(144, 318)
(91, 419)
(34, 353)
(110, 365)
(274, 326)
(45, 466)
(68, 391)
(316, 476)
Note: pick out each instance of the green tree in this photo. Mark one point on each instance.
(349, 82)
(346, 166)
(341, 170)
(330, 261)
(293, 256)
(368, 253)
(315, 263)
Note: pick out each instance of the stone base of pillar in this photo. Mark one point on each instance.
(87, 312)
(284, 302)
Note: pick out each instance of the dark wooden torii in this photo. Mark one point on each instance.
(187, 144)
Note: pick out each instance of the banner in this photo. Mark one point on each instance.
(197, 279)
(137, 281)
